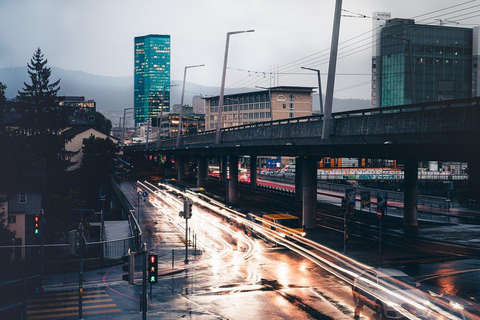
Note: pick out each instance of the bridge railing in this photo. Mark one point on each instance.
(434, 105)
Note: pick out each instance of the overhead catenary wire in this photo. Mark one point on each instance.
(318, 58)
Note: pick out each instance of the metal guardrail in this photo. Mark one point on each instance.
(135, 229)
(434, 105)
(112, 249)
(431, 201)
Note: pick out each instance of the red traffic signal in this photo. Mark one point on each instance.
(152, 268)
(36, 225)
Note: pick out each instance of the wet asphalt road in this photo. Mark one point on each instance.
(238, 277)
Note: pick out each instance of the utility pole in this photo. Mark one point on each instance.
(331, 71)
(144, 282)
(222, 87)
(159, 124)
(180, 123)
(42, 249)
(80, 273)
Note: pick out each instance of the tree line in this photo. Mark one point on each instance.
(37, 134)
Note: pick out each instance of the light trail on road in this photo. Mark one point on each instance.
(209, 215)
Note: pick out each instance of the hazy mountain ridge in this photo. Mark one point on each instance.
(116, 93)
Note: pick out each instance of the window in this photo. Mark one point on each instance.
(291, 114)
(12, 219)
(291, 97)
(284, 106)
(22, 197)
(291, 106)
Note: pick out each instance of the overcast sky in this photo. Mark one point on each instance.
(97, 36)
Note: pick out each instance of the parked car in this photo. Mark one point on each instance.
(391, 293)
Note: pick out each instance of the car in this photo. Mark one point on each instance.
(391, 293)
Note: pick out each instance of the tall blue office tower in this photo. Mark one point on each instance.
(152, 73)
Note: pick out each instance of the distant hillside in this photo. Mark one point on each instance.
(113, 94)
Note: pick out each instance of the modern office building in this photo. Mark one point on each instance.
(443, 59)
(152, 74)
(263, 105)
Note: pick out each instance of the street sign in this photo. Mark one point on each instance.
(350, 195)
(144, 194)
(365, 199)
(381, 204)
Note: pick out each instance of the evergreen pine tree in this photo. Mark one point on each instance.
(43, 120)
(41, 112)
(40, 92)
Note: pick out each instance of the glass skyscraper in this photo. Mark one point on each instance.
(442, 63)
(152, 73)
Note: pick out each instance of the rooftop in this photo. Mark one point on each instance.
(271, 89)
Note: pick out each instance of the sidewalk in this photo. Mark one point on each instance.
(163, 237)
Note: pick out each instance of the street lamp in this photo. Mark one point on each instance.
(159, 124)
(412, 86)
(332, 65)
(319, 87)
(222, 88)
(180, 124)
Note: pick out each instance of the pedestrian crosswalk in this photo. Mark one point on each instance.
(55, 305)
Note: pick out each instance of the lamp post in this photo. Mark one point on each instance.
(412, 85)
(319, 86)
(331, 71)
(124, 121)
(159, 124)
(180, 124)
(222, 88)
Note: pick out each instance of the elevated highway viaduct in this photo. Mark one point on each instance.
(444, 130)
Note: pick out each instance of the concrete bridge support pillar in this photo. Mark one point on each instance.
(180, 164)
(298, 179)
(410, 185)
(233, 184)
(309, 186)
(202, 170)
(223, 169)
(253, 172)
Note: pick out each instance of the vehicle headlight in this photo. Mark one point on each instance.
(304, 234)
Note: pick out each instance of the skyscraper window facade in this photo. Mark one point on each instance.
(152, 74)
(442, 63)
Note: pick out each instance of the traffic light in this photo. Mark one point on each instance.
(152, 268)
(187, 209)
(36, 229)
(129, 266)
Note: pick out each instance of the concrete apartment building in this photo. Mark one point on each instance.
(262, 105)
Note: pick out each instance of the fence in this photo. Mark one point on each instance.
(392, 195)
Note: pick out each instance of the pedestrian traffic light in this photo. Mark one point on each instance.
(129, 266)
(152, 267)
(36, 229)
